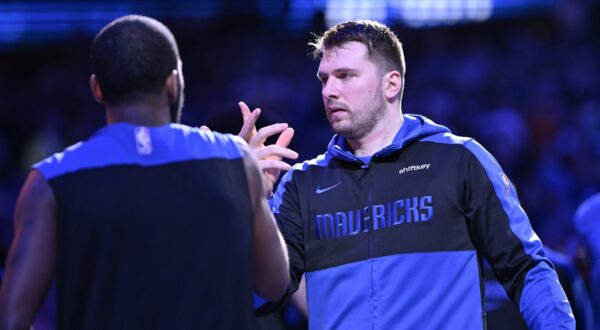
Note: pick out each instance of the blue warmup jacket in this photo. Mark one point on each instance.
(397, 243)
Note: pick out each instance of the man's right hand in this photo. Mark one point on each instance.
(270, 158)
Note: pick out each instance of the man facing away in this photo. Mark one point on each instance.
(149, 224)
(392, 223)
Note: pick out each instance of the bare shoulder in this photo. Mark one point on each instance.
(242, 144)
(37, 186)
(249, 159)
(36, 198)
(252, 169)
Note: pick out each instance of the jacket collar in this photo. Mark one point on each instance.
(414, 127)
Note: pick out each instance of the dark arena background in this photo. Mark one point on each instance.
(520, 76)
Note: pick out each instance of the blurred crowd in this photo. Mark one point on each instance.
(528, 89)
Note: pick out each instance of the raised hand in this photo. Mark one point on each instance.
(270, 158)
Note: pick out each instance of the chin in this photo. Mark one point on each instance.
(337, 129)
(343, 131)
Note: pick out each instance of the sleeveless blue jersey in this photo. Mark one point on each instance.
(154, 230)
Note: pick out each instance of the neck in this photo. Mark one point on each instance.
(381, 136)
(141, 114)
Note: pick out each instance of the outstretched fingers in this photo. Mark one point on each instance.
(270, 158)
(273, 164)
(276, 152)
(264, 133)
(285, 137)
(248, 130)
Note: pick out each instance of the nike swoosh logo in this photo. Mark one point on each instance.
(320, 191)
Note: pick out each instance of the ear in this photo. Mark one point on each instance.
(392, 84)
(172, 85)
(96, 90)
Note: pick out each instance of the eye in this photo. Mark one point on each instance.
(345, 75)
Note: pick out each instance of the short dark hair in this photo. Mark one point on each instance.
(131, 57)
(385, 49)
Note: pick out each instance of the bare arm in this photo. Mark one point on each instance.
(299, 298)
(270, 258)
(32, 256)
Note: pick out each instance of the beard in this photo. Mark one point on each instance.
(361, 120)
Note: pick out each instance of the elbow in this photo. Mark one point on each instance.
(14, 316)
(280, 288)
(13, 323)
(273, 288)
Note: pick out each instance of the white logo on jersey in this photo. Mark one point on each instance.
(506, 182)
(414, 168)
(143, 141)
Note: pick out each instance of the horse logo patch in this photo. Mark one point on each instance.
(506, 182)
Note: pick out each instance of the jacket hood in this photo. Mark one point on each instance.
(414, 128)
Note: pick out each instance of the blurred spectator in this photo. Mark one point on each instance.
(587, 224)
(502, 314)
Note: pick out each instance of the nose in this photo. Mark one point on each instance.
(330, 89)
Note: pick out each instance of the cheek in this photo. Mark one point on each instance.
(362, 95)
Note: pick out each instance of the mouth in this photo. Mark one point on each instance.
(336, 113)
(333, 108)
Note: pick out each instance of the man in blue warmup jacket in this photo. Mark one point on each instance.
(391, 224)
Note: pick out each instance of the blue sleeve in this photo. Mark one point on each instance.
(502, 232)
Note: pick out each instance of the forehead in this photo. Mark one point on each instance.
(352, 54)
